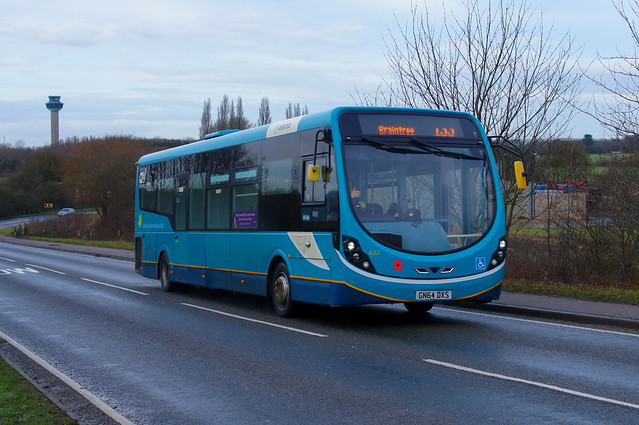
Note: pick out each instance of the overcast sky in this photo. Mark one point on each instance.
(145, 67)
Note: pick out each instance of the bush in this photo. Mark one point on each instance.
(84, 226)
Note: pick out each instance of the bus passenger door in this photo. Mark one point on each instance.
(180, 246)
(217, 236)
(247, 273)
(196, 236)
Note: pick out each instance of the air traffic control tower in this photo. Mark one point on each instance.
(54, 105)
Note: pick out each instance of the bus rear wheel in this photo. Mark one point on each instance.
(165, 274)
(417, 309)
(281, 291)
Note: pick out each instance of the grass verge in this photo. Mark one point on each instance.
(22, 403)
(582, 292)
(105, 244)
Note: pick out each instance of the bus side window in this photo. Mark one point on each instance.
(197, 201)
(245, 206)
(315, 191)
(218, 208)
(148, 189)
(181, 197)
(218, 200)
(165, 195)
(320, 198)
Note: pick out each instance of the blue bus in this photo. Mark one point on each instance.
(356, 205)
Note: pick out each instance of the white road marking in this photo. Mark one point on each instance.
(559, 325)
(537, 384)
(108, 410)
(7, 259)
(44, 268)
(248, 319)
(113, 286)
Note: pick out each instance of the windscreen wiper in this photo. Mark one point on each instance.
(384, 146)
(442, 152)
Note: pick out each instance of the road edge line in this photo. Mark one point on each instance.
(108, 410)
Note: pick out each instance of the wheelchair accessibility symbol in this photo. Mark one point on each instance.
(480, 263)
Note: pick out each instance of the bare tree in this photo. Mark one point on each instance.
(101, 173)
(224, 111)
(264, 115)
(296, 110)
(620, 109)
(230, 115)
(206, 123)
(495, 62)
(238, 120)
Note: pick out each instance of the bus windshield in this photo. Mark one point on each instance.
(420, 194)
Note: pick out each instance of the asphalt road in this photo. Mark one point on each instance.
(12, 222)
(210, 357)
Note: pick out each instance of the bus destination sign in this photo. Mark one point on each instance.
(409, 126)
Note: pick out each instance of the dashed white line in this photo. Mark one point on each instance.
(559, 325)
(536, 384)
(7, 259)
(248, 319)
(45, 268)
(108, 410)
(113, 286)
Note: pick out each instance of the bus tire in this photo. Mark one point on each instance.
(165, 274)
(281, 291)
(417, 309)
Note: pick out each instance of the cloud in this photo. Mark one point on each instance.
(146, 66)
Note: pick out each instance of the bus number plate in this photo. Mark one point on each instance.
(433, 295)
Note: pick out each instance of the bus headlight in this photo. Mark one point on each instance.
(499, 255)
(355, 255)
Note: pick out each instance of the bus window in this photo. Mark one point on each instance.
(166, 188)
(279, 200)
(197, 201)
(277, 177)
(218, 207)
(320, 205)
(148, 189)
(180, 202)
(315, 191)
(245, 206)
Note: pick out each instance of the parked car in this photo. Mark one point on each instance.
(65, 211)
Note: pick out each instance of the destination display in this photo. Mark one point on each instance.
(408, 125)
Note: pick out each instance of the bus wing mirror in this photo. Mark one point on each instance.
(313, 172)
(520, 175)
(326, 173)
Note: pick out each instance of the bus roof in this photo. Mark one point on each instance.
(232, 138)
(303, 122)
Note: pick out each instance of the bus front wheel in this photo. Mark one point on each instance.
(165, 274)
(281, 291)
(417, 309)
